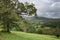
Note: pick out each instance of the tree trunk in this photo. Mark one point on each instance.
(8, 27)
(57, 36)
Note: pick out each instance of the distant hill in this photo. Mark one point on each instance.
(47, 19)
(42, 19)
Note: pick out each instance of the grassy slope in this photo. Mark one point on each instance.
(26, 36)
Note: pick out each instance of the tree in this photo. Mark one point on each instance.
(10, 13)
(55, 25)
(27, 9)
(52, 24)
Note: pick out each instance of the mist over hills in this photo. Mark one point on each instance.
(42, 18)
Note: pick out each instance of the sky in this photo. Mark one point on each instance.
(46, 8)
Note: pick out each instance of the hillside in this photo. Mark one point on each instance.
(25, 36)
(42, 18)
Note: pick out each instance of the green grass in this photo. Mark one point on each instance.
(26, 36)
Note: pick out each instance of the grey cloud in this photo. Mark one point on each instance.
(55, 10)
(46, 8)
(56, 0)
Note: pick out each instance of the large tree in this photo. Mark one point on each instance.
(11, 11)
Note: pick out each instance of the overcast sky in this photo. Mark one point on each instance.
(46, 8)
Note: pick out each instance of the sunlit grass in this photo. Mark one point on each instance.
(26, 36)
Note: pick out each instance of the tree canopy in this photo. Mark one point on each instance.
(11, 11)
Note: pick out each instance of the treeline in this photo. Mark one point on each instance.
(50, 28)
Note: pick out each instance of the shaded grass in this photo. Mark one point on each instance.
(26, 36)
(1, 36)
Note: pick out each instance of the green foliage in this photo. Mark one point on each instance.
(9, 10)
(27, 9)
(51, 24)
(51, 31)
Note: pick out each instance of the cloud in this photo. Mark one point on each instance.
(46, 8)
(56, 0)
(54, 10)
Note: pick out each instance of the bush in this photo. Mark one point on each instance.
(52, 31)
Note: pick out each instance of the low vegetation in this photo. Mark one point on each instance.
(26, 36)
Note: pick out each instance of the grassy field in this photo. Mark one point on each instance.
(25, 36)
